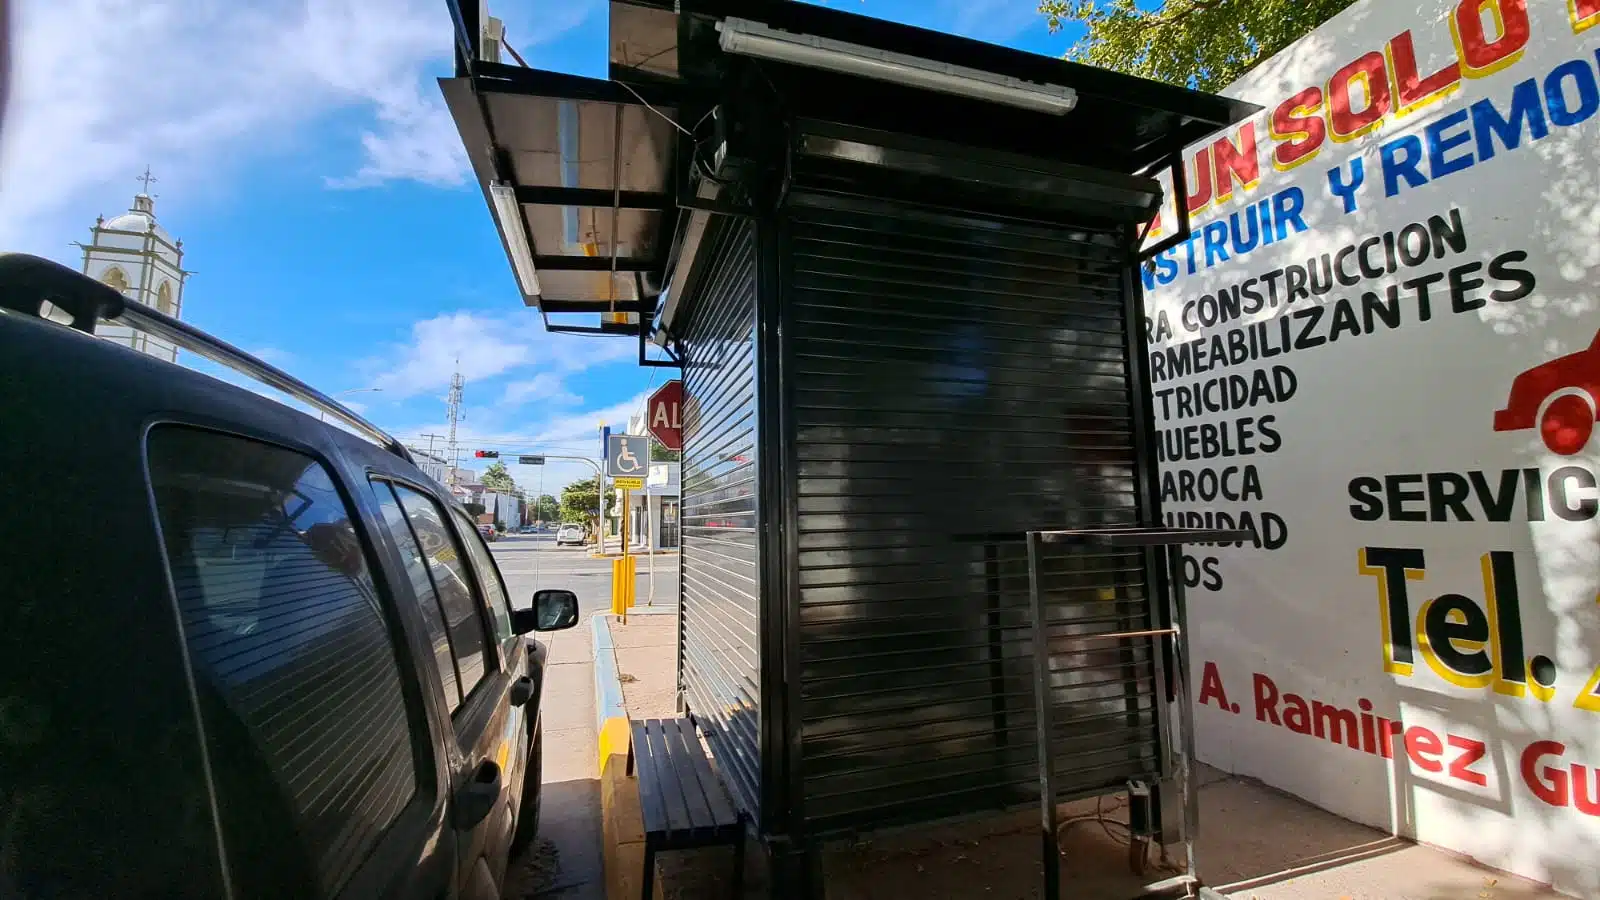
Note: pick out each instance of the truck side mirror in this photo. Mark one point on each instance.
(553, 610)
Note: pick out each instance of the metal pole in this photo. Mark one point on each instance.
(622, 528)
(1050, 855)
(1180, 674)
(650, 544)
(627, 561)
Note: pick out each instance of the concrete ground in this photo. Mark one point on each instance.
(565, 861)
(646, 650)
(1256, 843)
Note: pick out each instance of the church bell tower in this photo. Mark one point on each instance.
(137, 256)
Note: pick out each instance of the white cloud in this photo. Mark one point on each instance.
(525, 369)
(418, 142)
(194, 87)
(572, 434)
(546, 387)
(485, 346)
(585, 426)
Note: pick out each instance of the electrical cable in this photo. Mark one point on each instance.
(702, 121)
(644, 399)
(1105, 821)
(669, 120)
(705, 170)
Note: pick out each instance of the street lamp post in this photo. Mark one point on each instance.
(324, 416)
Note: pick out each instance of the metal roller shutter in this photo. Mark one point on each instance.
(719, 660)
(954, 376)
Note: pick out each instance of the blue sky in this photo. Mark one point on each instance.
(305, 158)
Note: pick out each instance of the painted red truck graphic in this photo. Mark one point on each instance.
(1558, 397)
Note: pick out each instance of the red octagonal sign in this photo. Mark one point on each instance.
(663, 417)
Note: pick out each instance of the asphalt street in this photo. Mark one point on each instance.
(565, 862)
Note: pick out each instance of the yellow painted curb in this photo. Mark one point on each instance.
(621, 830)
(614, 739)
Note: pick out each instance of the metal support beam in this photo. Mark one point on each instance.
(593, 264)
(576, 329)
(642, 307)
(464, 16)
(544, 195)
(717, 207)
(604, 328)
(671, 362)
(1043, 705)
(500, 78)
(1180, 194)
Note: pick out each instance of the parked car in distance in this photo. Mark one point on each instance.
(308, 679)
(570, 534)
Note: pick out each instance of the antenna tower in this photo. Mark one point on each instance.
(453, 410)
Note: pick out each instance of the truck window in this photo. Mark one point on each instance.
(304, 711)
(463, 616)
(417, 564)
(489, 576)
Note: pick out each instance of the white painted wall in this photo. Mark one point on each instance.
(1367, 453)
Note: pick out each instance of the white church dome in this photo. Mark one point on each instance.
(139, 218)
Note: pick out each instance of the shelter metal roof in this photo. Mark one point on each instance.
(599, 166)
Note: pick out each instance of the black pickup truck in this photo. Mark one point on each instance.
(243, 653)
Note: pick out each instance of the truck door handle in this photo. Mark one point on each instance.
(522, 690)
(477, 797)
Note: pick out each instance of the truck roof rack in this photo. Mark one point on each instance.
(28, 282)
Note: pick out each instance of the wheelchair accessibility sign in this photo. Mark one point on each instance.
(627, 455)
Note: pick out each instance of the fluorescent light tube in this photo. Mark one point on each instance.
(509, 212)
(748, 38)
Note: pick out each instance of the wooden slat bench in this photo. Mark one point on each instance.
(684, 804)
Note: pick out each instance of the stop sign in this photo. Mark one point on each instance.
(662, 416)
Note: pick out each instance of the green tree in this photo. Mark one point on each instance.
(660, 453)
(497, 479)
(474, 509)
(1205, 44)
(548, 509)
(580, 500)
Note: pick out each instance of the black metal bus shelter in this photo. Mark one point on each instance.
(899, 271)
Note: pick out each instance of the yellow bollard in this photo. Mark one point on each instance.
(619, 606)
(623, 585)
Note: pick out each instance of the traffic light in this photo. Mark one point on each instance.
(487, 454)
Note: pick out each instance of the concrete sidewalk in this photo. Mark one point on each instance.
(647, 663)
(613, 548)
(1256, 843)
(566, 860)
